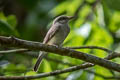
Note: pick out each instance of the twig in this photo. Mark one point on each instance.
(113, 55)
(82, 66)
(91, 47)
(14, 51)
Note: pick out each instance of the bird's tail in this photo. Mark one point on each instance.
(39, 60)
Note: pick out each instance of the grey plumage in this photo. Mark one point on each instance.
(55, 36)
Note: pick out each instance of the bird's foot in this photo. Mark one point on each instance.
(56, 46)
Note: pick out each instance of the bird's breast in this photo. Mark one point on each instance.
(60, 36)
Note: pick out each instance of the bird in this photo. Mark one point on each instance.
(55, 36)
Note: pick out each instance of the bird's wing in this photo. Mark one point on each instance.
(52, 31)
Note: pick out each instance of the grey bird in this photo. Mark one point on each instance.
(55, 36)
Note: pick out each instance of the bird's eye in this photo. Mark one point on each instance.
(62, 18)
(62, 21)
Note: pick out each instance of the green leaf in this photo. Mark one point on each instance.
(2, 16)
(47, 67)
(90, 1)
(68, 7)
(107, 13)
(5, 27)
(115, 22)
(74, 39)
(31, 73)
(101, 70)
(100, 36)
(114, 4)
(59, 9)
(10, 67)
(12, 21)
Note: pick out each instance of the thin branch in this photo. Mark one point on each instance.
(85, 64)
(15, 42)
(91, 47)
(70, 69)
(14, 51)
(113, 55)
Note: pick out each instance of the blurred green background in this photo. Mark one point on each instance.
(97, 23)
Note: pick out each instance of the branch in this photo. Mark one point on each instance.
(82, 66)
(113, 55)
(70, 69)
(92, 47)
(110, 56)
(79, 47)
(15, 42)
(14, 51)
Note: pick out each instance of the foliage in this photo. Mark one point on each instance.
(99, 27)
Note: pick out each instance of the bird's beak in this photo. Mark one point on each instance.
(71, 17)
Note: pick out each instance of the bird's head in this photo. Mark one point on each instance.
(62, 19)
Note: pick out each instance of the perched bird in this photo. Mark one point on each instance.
(55, 36)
